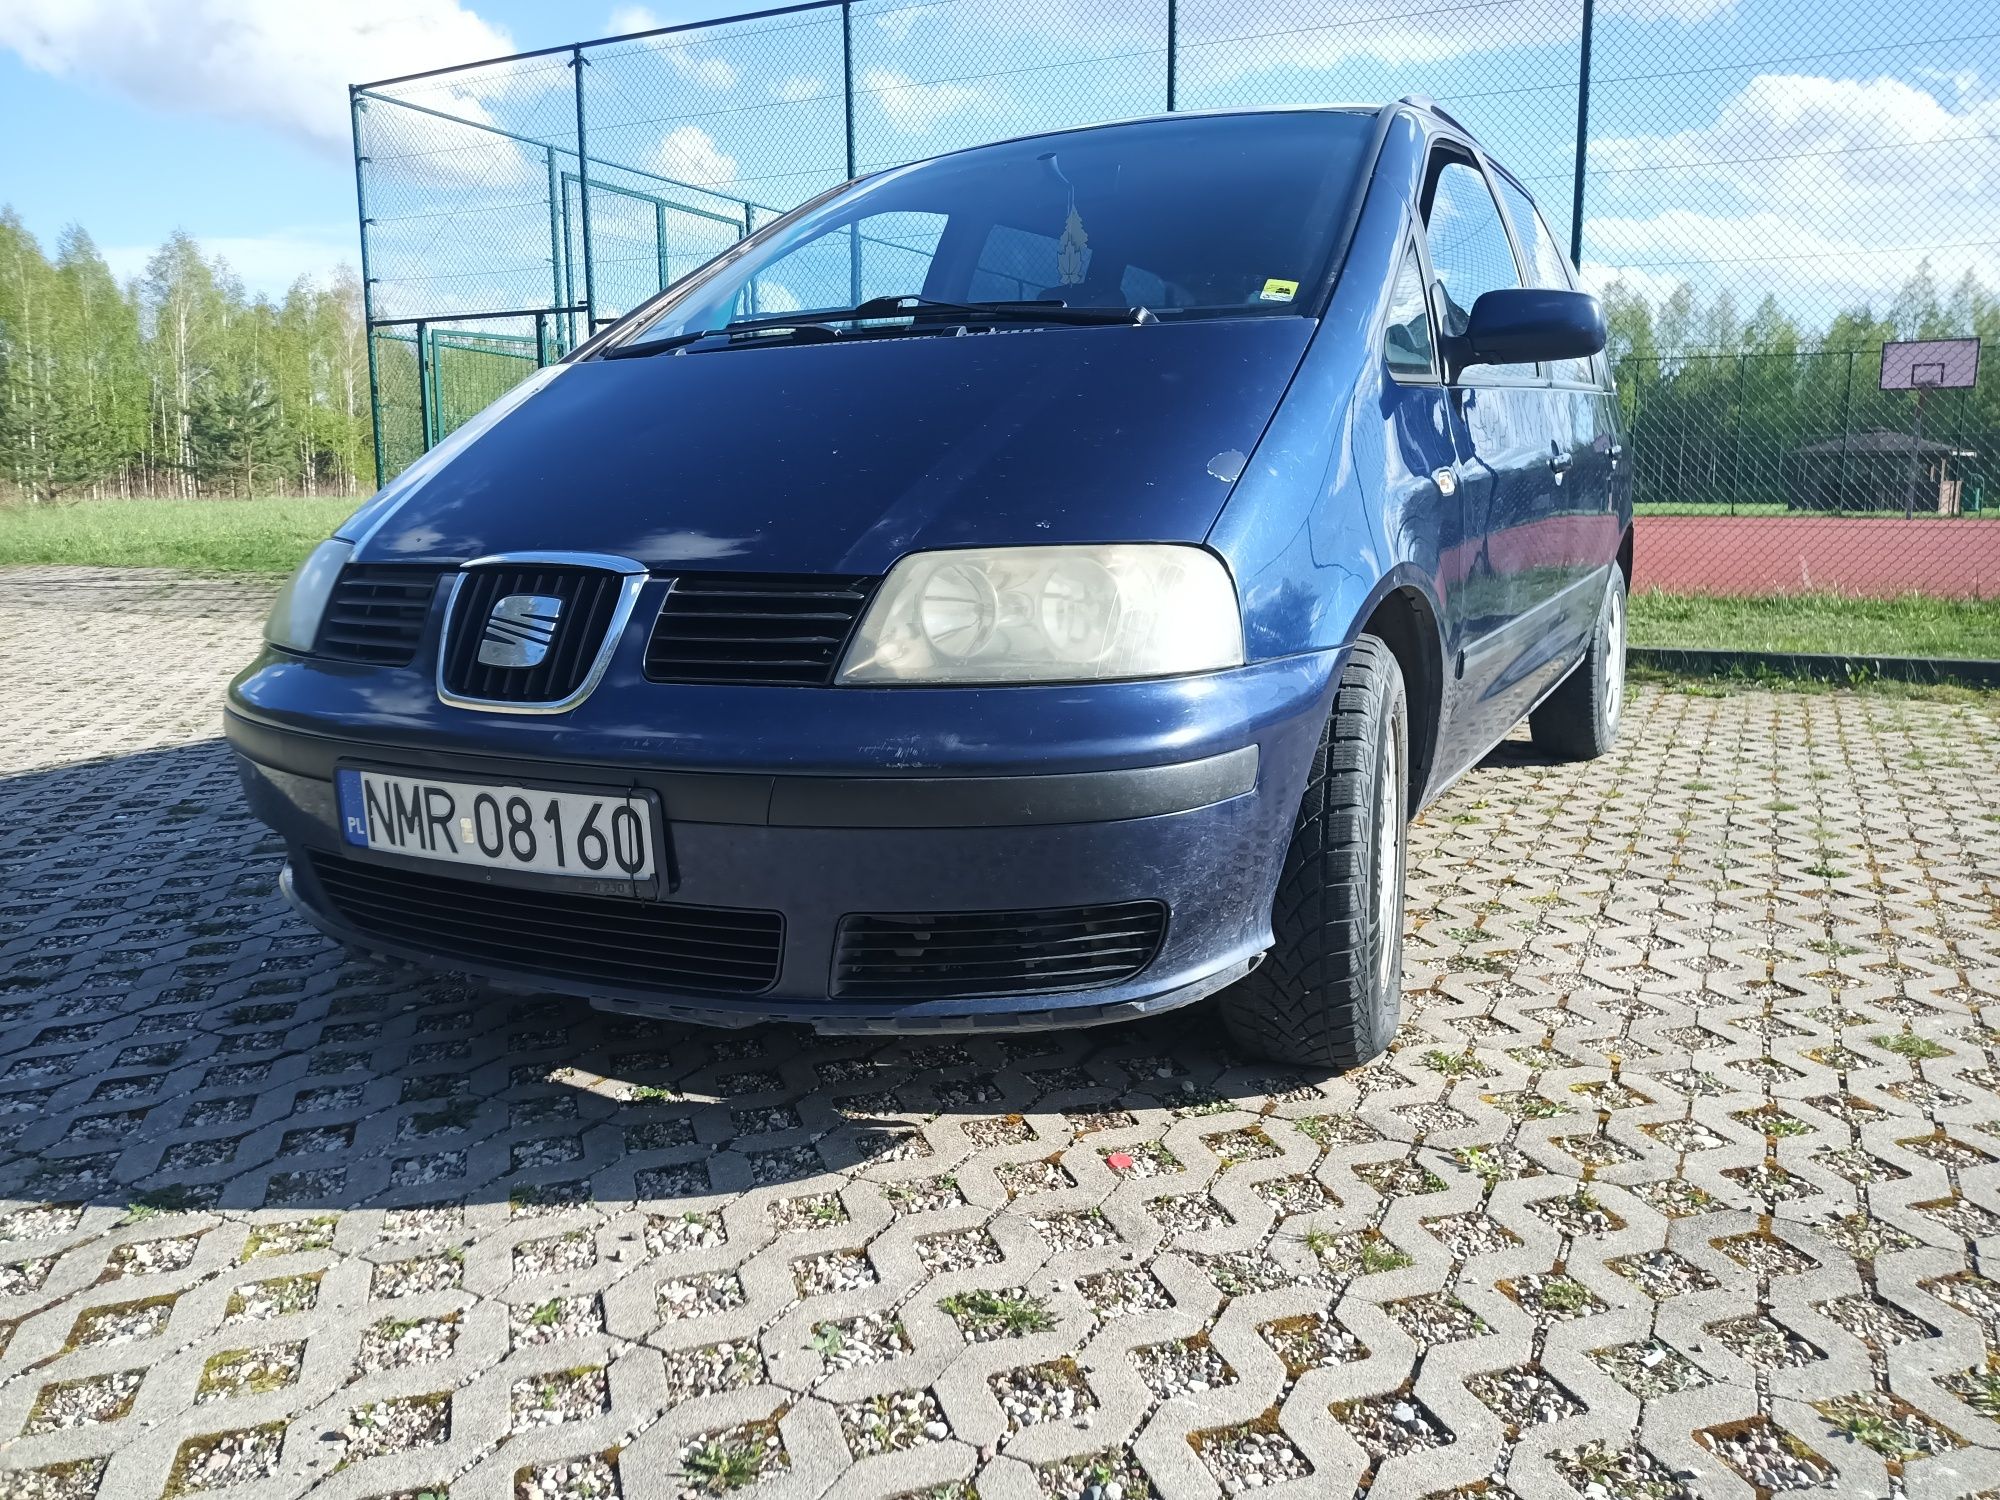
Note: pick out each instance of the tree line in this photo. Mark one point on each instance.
(177, 382)
(1722, 407)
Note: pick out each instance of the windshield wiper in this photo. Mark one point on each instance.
(928, 309)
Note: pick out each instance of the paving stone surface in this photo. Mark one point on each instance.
(1682, 1178)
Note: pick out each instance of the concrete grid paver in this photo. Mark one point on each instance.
(1682, 1177)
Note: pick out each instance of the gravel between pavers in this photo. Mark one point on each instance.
(83, 1403)
(1649, 1368)
(836, 1271)
(712, 1369)
(394, 1425)
(1310, 1340)
(396, 1342)
(1051, 1392)
(1599, 1472)
(558, 1318)
(241, 1372)
(559, 1396)
(699, 1296)
(867, 1340)
(591, 1477)
(1251, 1456)
(1183, 1367)
(219, 1459)
(893, 1421)
(1523, 1396)
(1122, 1292)
(1390, 1426)
(1771, 1460)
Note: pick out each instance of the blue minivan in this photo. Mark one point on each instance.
(1033, 587)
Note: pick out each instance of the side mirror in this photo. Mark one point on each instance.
(1523, 324)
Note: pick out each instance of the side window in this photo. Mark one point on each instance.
(1406, 343)
(1546, 265)
(1470, 253)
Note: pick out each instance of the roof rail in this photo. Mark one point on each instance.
(1427, 103)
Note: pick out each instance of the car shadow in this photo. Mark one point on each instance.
(175, 1040)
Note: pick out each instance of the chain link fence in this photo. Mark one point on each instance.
(1763, 205)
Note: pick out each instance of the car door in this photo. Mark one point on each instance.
(1423, 504)
(1583, 529)
(1501, 424)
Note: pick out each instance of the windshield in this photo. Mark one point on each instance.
(1209, 216)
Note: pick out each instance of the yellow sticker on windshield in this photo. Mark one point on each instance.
(1276, 290)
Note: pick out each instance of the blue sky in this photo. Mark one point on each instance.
(84, 146)
(1731, 146)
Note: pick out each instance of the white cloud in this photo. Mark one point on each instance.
(275, 63)
(913, 107)
(629, 18)
(896, 24)
(801, 87)
(710, 72)
(266, 263)
(1824, 190)
(687, 153)
(1668, 10)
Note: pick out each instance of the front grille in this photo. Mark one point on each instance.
(950, 955)
(755, 627)
(376, 614)
(589, 601)
(693, 950)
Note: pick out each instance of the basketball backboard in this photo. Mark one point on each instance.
(1930, 364)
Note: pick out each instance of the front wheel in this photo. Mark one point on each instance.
(1579, 720)
(1329, 992)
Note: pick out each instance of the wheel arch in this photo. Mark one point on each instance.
(1405, 620)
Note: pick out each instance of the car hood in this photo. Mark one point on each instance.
(841, 457)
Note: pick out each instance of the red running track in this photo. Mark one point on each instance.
(1873, 556)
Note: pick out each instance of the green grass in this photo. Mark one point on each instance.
(1774, 508)
(1821, 623)
(1709, 508)
(206, 536)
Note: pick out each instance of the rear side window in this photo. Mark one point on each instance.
(1406, 344)
(1470, 252)
(1546, 265)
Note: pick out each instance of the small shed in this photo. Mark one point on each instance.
(1870, 471)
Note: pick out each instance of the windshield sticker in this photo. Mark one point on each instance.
(1278, 290)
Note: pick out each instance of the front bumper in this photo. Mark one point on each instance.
(1204, 833)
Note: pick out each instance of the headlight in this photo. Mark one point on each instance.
(1048, 614)
(294, 619)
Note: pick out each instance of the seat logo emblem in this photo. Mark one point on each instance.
(519, 631)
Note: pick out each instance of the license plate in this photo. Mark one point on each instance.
(536, 830)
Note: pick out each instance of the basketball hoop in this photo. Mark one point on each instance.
(1923, 365)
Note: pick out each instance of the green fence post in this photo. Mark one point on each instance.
(556, 297)
(1582, 135)
(847, 94)
(579, 62)
(424, 385)
(1736, 442)
(1846, 399)
(660, 240)
(847, 76)
(1173, 53)
(354, 108)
